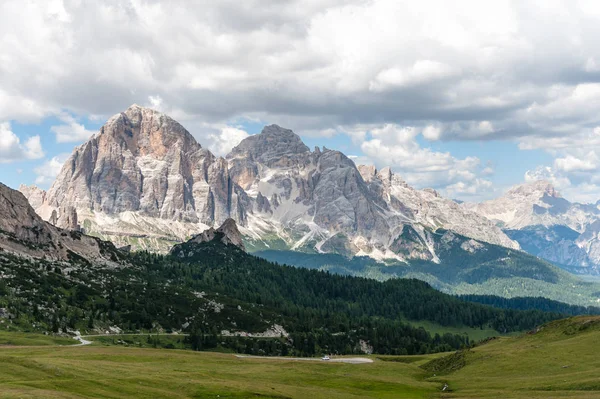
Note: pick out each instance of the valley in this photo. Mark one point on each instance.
(552, 361)
(337, 199)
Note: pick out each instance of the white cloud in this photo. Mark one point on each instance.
(223, 141)
(426, 60)
(421, 72)
(11, 148)
(71, 131)
(570, 163)
(469, 71)
(475, 188)
(47, 172)
(397, 146)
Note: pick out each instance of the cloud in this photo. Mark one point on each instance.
(71, 131)
(11, 148)
(421, 72)
(47, 172)
(223, 141)
(570, 163)
(397, 146)
(345, 61)
(477, 71)
(474, 188)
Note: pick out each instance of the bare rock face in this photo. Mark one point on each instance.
(231, 234)
(322, 201)
(18, 218)
(227, 233)
(34, 195)
(274, 146)
(536, 203)
(144, 181)
(24, 233)
(548, 225)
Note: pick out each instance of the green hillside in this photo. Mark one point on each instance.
(116, 372)
(495, 271)
(558, 360)
(221, 290)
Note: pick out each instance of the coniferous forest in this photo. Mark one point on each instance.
(220, 291)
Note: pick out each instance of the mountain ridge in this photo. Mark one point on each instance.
(547, 225)
(23, 232)
(144, 181)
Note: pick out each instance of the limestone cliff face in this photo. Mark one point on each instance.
(548, 225)
(321, 200)
(141, 172)
(143, 180)
(228, 234)
(23, 232)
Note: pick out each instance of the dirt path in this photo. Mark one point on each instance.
(81, 340)
(348, 360)
(120, 334)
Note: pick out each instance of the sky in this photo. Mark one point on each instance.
(467, 97)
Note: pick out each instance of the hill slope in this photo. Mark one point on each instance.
(209, 287)
(556, 360)
(489, 270)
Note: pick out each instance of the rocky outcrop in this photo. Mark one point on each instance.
(273, 147)
(35, 195)
(23, 232)
(227, 233)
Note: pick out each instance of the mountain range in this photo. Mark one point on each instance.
(547, 225)
(144, 181)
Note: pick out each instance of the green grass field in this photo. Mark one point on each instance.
(475, 334)
(113, 372)
(30, 339)
(558, 361)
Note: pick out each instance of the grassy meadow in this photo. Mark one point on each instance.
(557, 361)
(115, 372)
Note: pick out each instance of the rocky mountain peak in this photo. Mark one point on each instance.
(34, 195)
(270, 145)
(16, 215)
(143, 180)
(385, 175)
(231, 234)
(227, 233)
(534, 190)
(142, 176)
(146, 131)
(368, 172)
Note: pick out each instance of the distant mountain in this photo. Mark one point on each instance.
(144, 181)
(547, 225)
(536, 203)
